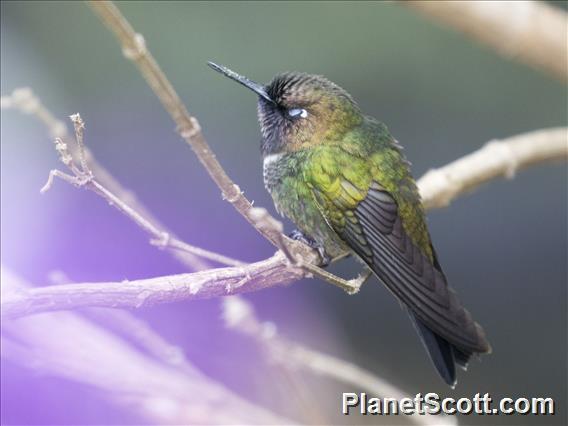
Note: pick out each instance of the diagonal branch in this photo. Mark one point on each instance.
(438, 188)
(134, 48)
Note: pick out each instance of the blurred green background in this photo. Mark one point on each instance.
(504, 247)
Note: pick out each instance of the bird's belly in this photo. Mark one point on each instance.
(293, 199)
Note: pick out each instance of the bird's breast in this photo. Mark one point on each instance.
(273, 170)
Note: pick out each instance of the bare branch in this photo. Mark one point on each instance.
(152, 291)
(239, 315)
(126, 324)
(532, 32)
(160, 387)
(498, 158)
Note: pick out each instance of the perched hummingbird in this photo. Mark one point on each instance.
(342, 179)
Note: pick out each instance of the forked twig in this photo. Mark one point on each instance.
(24, 100)
(82, 176)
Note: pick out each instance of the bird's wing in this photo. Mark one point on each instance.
(369, 219)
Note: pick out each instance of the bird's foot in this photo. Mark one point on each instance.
(297, 235)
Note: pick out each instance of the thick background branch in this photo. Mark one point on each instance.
(437, 187)
(497, 158)
(239, 315)
(532, 32)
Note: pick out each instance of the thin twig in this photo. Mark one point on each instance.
(24, 100)
(532, 32)
(84, 177)
(351, 286)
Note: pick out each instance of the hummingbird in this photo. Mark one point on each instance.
(343, 180)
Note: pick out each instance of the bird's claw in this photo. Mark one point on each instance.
(325, 259)
(297, 235)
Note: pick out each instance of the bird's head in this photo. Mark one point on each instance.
(298, 111)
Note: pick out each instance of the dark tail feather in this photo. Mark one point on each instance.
(462, 357)
(443, 354)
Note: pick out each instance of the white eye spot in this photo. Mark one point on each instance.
(297, 112)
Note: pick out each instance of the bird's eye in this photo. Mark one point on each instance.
(297, 112)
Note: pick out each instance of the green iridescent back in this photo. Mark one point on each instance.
(318, 188)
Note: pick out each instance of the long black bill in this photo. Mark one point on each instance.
(255, 87)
